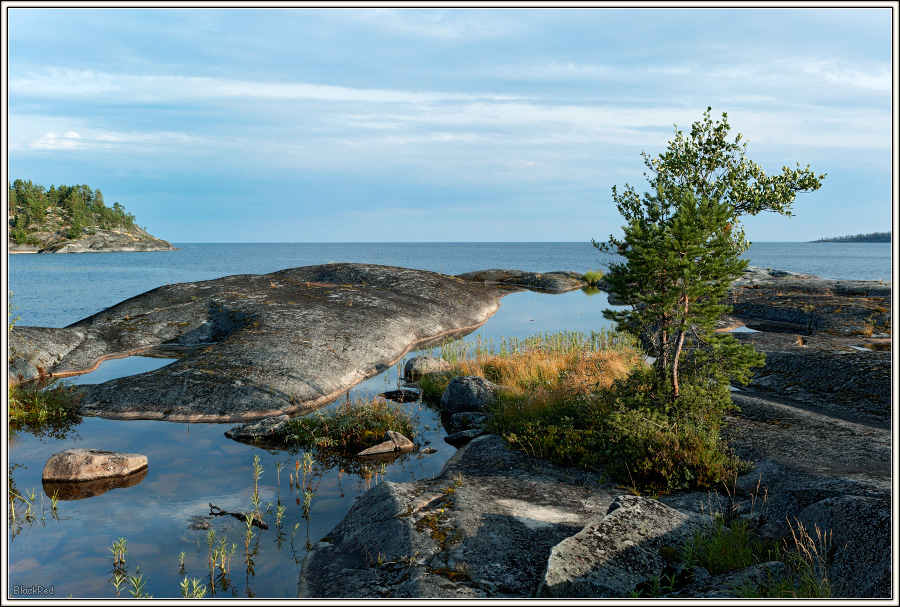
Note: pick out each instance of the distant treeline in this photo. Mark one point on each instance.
(71, 208)
(872, 237)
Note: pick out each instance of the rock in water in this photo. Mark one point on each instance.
(262, 345)
(469, 393)
(422, 365)
(91, 464)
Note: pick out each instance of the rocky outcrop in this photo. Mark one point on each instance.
(91, 464)
(33, 351)
(132, 239)
(483, 528)
(824, 371)
(550, 282)
(254, 346)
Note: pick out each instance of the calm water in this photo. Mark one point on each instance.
(193, 465)
(57, 290)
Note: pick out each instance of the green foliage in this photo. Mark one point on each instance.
(871, 237)
(682, 247)
(723, 549)
(593, 277)
(350, 427)
(39, 408)
(72, 208)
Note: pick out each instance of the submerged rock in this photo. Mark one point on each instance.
(91, 464)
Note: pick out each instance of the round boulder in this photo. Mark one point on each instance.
(423, 365)
(91, 464)
(469, 393)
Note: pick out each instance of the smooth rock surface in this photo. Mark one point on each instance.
(254, 346)
(469, 393)
(91, 464)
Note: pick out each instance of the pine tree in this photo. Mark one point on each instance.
(682, 248)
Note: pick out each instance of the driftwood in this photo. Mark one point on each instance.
(242, 516)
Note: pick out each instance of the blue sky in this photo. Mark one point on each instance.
(315, 125)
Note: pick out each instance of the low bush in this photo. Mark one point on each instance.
(593, 277)
(350, 427)
(42, 408)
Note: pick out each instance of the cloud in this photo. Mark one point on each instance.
(53, 141)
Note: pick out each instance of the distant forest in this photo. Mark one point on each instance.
(872, 237)
(71, 209)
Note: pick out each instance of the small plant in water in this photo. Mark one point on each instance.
(192, 589)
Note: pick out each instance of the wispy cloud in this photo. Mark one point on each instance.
(54, 141)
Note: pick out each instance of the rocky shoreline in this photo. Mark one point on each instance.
(816, 423)
(116, 240)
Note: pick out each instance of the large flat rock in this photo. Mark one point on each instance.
(483, 528)
(254, 346)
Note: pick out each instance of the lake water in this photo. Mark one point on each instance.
(194, 465)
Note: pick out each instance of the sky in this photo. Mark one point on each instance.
(299, 124)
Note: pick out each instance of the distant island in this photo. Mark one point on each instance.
(72, 219)
(872, 237)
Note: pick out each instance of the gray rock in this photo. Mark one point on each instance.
(550, 282)
(394, 442)
(418, 366)
(33, 351)
(132, 239)
(483, 528)
(268, 427)
(91, 464)
(256, 346)
(854, 533)
(469, 393)
(612, 555)
(458, 439)
(467, 420)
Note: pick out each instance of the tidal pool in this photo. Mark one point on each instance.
(163, 515)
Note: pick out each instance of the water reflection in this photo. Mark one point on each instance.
(79, 490)
(192, 465)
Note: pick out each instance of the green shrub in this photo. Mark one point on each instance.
(593, 277)
(350, 427)
(43, 409)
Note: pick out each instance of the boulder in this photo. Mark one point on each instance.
(91, 464)
(855, 534)
(394, 442)
(614, 554)
(469, 393)
(269, 427)
(458, 439)
(418, 366)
